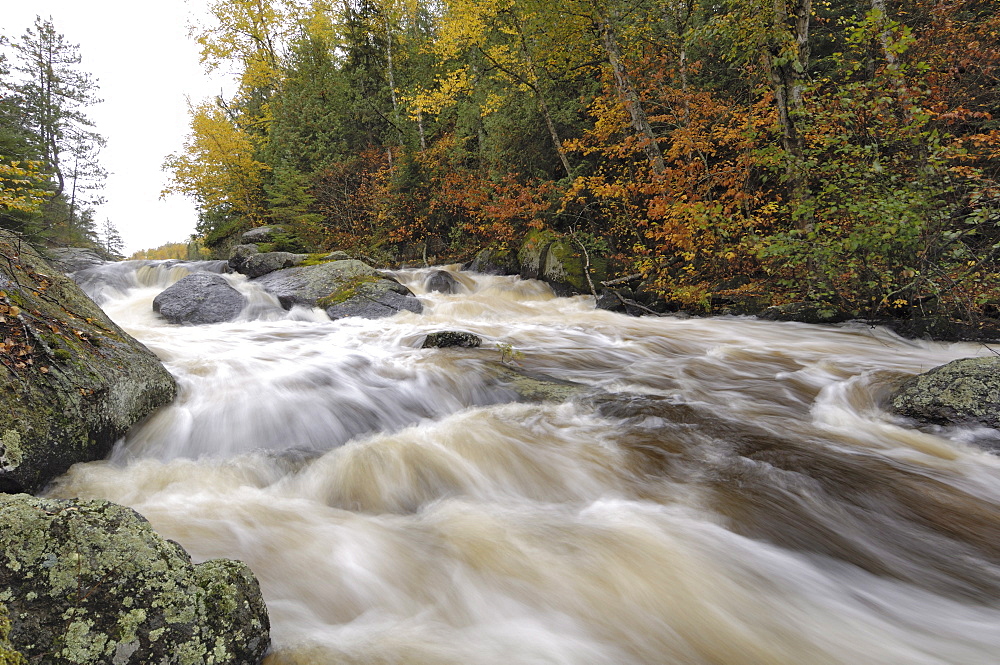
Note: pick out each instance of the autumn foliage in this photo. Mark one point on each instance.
(841, 153)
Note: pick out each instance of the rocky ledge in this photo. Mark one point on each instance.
(71, 381)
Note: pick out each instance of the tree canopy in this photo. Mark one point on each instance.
(840, 152)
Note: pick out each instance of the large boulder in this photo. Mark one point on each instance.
(343, 288)
(90, 582)
(200, 299)
(962, 392)
(71, 381)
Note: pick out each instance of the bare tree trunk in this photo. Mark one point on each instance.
(542, 105)
(629, 96)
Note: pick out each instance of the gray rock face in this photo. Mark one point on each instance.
(239, 255)
(965, 391)
(90, 583)
(75, 382)
(199, 299)
(72, 259)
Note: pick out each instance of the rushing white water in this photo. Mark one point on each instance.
(731, 492)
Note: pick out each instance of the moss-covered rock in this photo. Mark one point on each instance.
(531, 254)
(962, 392)
(568, 269)
(71, 381)
(305, 285)
(90, 582)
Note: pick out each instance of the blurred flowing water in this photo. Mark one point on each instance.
(730, 491)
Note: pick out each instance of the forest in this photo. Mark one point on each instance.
(843, 152)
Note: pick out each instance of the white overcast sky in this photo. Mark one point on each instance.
(146, 67)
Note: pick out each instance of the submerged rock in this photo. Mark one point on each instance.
(532, 386)
(962, 392)
(442, 281)
(805, 312)
(200, 299)
(90, 582)
(71, 381)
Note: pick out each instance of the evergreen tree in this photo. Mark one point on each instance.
(52, 95)
(111, 240)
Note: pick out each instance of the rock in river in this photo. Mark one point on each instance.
(199, 299)
(91, 583)
(343, 288)
(962, 392)
(71, 381)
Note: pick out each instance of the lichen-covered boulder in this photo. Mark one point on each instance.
(200, 299)
(962, 392)
(343, 288)
(90, 582)
(71, 381)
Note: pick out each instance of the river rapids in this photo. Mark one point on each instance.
(728, 492)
